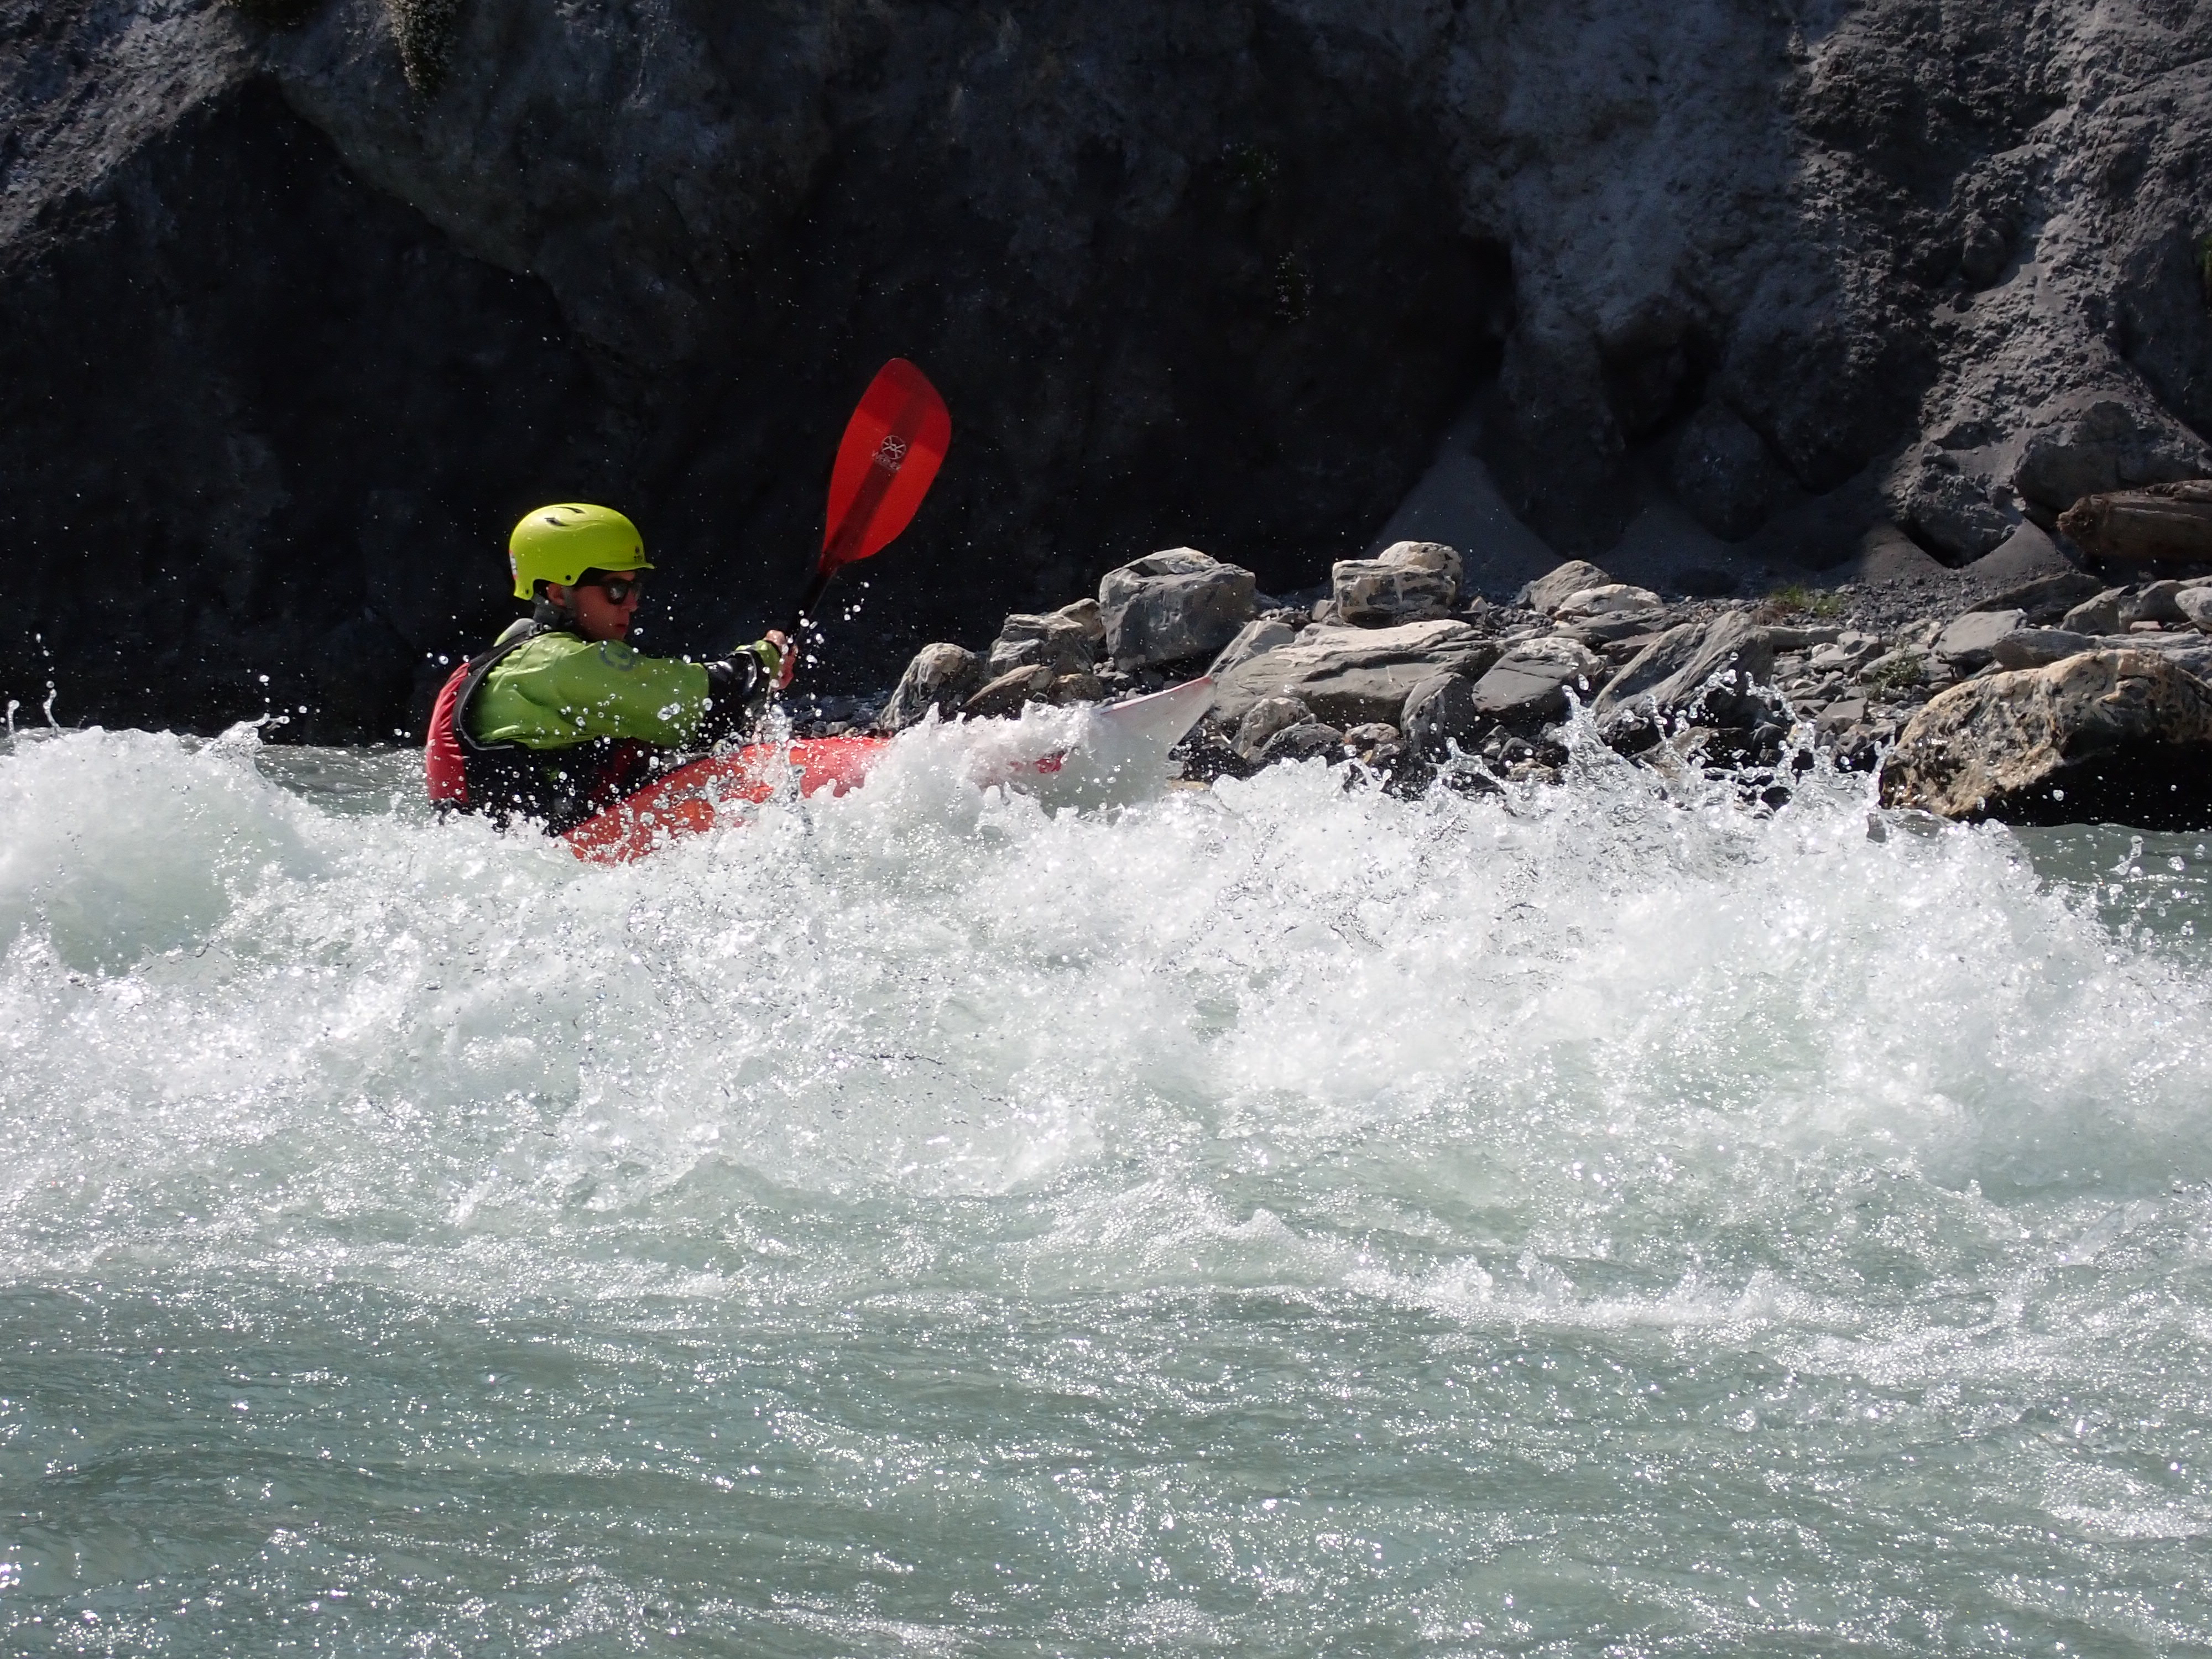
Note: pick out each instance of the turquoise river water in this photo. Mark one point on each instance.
(1277, 1219)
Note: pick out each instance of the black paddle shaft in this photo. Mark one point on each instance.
(811, 598)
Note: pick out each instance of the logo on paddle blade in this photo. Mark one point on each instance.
(891, 454)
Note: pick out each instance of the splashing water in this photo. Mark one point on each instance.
(1283, 1217)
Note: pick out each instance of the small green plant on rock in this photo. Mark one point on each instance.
(1898, 674)
(424, 30)
(1798, 600)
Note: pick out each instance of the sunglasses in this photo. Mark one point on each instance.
(616, 588)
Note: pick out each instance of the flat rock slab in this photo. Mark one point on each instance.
(1530, 681)
(2038, 648)
(1971, 639)
(1352, 676)
(2103, 736)
(1254, 638)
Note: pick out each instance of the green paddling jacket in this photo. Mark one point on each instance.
(550, 726)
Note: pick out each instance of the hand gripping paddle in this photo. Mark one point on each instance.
(893, 446)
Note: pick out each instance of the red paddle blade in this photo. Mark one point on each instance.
(893, 446)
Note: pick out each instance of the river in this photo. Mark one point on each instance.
(1283, 1218)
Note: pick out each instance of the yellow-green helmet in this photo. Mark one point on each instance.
(559, 543)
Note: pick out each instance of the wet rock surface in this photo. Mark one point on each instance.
(1354, 675)
(942, 676)
(1530, 680)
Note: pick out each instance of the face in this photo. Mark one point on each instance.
(598, 617)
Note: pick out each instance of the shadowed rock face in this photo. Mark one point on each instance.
(220, 465)
(292, 343)
(1223, 305)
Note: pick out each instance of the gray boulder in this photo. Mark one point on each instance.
(1352, 676)
(1672, 672)
(941, 676)
(1850, 651)
(1608, 599)
(2099, 615)
(1169, 605)
(1531, 680)
(2042, 598)
(2100, 444)
(2194, 605)
(1641, 626)
(2118, 608)
(1599, 616)
(1257, 638)
(1440, 711)
(1007, 693)
(2103, 736)
(1574, 576)
(1066, 640)
(2154, 603)
(1648, 668)
(1970, 639)
(1411, 581)
(2038, 648)
(1953, 502)
(1301, 742)
(1264, 719)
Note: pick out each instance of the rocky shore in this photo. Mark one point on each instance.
(2056, 686)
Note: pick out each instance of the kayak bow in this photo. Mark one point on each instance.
(720, 789)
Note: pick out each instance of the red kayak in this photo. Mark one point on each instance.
(698, 796)
(688, 800)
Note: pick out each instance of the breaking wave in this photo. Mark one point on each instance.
(1286, 1216)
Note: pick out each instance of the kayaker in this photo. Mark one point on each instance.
(561, 718)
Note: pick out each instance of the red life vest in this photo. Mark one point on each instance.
(559, 787)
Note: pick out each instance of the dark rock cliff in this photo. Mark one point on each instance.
(294, 328)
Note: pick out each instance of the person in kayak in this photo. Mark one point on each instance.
(561, 718)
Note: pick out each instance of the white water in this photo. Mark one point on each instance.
(1283, 1218)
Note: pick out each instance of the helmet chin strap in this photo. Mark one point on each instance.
(548, 615)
